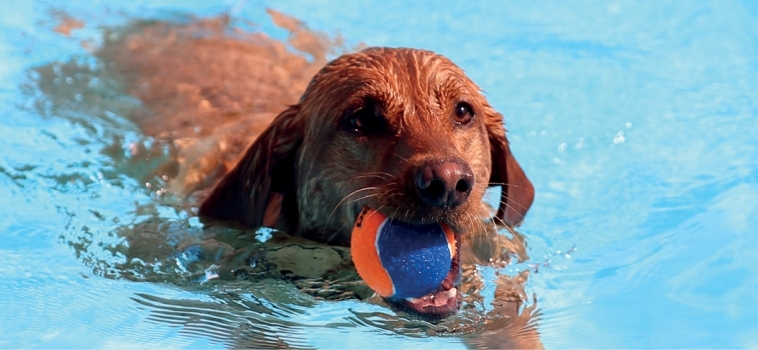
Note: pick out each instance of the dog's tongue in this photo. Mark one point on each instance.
(445, 300)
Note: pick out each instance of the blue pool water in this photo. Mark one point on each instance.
(636, 122)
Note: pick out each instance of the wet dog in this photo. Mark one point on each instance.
(173, 108)
(401, 130)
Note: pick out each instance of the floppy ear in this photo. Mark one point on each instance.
(518, 192)
(261, 190)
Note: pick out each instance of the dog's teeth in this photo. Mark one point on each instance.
(434, 299)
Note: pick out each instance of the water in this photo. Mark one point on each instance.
(635, 122)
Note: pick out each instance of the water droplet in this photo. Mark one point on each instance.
(619, 138)
(211, 272)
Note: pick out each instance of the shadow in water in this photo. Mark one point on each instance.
(173, 105)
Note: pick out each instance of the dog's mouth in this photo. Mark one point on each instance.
(444, 301)
(414, 266)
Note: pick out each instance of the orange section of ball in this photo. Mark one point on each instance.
(365, 256)
(450, 239)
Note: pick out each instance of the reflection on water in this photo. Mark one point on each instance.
(234, 319)
(174, 105)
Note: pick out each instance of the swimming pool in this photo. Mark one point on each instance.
(636, 122)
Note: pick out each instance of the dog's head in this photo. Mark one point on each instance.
(400, 130)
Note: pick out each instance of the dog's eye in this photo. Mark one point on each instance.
(365, 120)
(463, 113)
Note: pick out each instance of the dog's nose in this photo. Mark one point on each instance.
(444, 184)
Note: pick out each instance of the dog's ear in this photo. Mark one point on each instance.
(261, 190)
(517, 191)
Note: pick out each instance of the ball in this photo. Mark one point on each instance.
(400, 260)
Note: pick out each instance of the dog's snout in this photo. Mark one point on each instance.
(445, 184)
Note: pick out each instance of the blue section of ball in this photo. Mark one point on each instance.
(416, 257)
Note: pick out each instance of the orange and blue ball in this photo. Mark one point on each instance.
(400, 260)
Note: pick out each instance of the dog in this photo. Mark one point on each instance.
(400, 130)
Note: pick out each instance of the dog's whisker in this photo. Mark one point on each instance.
(499, 222)
(379, 175)
(493, 219)
(335, 233)
(326, 224)
(394, 213)
(401, 157)
(509, 185)
(362, 198)
(508, 205)
(488, 215)
(471, 222)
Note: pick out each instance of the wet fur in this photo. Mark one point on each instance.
(308, 175)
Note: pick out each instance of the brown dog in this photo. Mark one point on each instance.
(400, 130)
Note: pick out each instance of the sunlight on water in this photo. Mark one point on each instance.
(635, 122)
